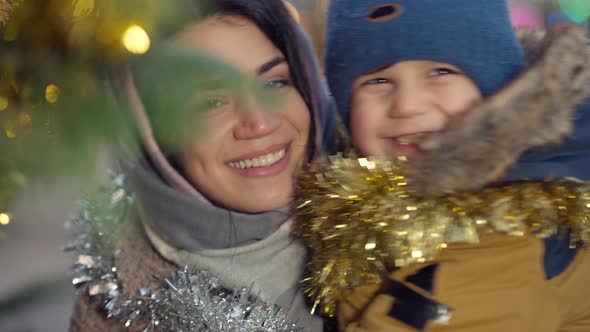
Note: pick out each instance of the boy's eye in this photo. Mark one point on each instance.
(441, 72)
(376, 81)
(277, 84)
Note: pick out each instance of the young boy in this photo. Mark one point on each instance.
(410, 73)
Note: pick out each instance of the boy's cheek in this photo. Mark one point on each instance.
(365, 137)
(363, 145)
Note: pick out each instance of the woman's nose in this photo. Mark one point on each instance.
(255, 120)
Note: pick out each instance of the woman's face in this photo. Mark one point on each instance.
(246, 156)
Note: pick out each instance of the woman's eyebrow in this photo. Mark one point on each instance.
(270, 65)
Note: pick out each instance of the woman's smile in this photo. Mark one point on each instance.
(267, 162)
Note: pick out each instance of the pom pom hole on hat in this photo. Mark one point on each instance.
(383, 13)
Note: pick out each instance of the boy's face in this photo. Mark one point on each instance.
(393, 108)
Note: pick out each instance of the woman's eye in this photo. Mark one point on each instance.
(376, 81)
(213, 103)
(277, 84)
(442, 71)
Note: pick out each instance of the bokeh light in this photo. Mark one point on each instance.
(577, 10)
(52, 93)
(3, 103)
(4, 219)
(136, 40)
(526, 15)
(25, 119)
(10, 133)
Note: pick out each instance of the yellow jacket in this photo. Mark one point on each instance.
(497, 285)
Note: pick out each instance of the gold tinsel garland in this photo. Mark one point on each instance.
(361, 218)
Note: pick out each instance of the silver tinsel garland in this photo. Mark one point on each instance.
(189, 300)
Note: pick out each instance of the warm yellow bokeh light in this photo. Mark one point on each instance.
(4, 219)
(10, 133)
(52, 93)
(3, 103)
(25, 119)
(83, 8)
(136, 40)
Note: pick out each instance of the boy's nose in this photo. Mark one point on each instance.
(407, 102)
(255, 120)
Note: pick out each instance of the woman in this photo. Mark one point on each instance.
(217, 201)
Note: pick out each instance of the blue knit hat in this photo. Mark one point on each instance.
(474, 35)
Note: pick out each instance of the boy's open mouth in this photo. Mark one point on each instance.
(411, 139)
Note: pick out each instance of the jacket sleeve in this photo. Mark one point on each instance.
(498, 285)
(573, 288)
(491, 308)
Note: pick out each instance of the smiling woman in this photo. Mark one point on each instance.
(217, 198)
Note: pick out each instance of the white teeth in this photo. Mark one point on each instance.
(409, 140)
(262, 161)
